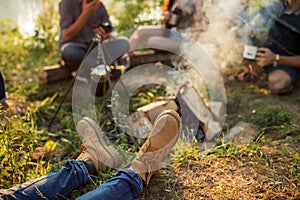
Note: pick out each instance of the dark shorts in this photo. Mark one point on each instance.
(292, 72)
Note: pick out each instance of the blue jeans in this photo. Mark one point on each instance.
(2, 89)
(127, 184)
(73, 54)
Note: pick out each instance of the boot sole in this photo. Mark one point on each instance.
(172, 113)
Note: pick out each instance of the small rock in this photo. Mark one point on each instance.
(242, 133)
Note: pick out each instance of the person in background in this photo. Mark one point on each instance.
(2, 90)
(96, 156)
(180, 15)
(6, 106)
(280, 56)
(80, 21)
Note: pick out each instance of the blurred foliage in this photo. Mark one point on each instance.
(12, 51)
(130, 14)
(47, 28)
(17, 140)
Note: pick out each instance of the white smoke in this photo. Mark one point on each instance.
(223, 37)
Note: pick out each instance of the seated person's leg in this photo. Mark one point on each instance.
(72, 54)
(129, 182)
(142, 34)
(281, 79)
(163, 136)
(163, 43)
(53, 185)
(75, 173)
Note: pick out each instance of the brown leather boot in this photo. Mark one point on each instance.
(162, 138)
(96, 153)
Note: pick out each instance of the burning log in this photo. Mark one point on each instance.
(194, 108)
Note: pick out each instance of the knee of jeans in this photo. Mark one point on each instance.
(69, 52)
(72, 55)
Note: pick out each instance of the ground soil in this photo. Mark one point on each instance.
(271, 171)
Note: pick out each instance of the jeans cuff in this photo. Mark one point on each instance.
(134, 176)
(86, 175)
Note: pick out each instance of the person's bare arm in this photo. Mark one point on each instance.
(88, 8)
(293, 61)
(265, 57)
